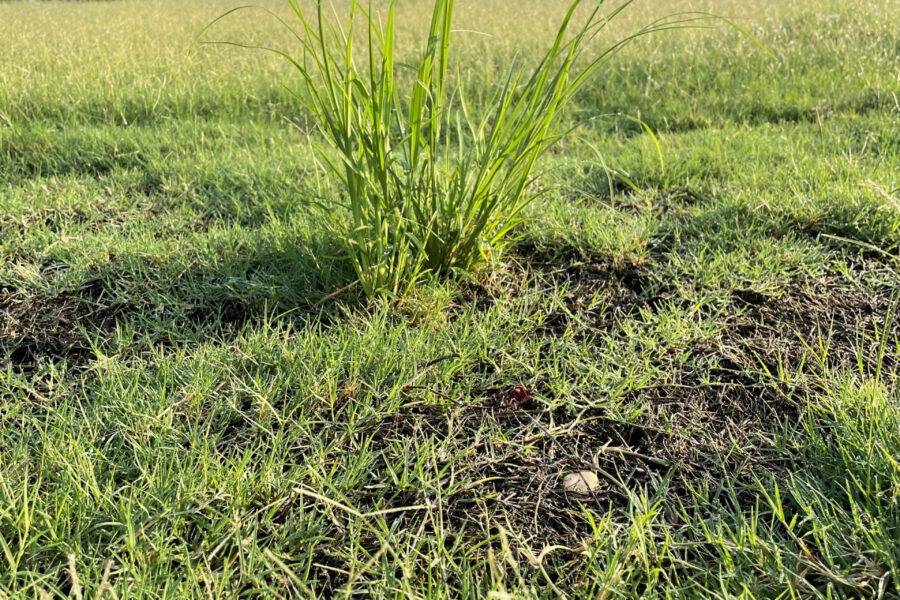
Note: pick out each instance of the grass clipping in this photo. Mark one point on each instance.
(430, 182)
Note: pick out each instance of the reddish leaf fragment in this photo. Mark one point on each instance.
(518, 396)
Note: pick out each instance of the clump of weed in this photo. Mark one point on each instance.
(431, 183)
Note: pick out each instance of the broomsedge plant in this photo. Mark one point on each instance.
(431, 185)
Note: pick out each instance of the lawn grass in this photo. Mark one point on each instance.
(185, 413)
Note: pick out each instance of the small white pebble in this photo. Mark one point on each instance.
(582, 482)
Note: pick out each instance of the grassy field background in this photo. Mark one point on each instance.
(180, 417)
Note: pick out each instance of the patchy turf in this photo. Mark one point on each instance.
(187, 411)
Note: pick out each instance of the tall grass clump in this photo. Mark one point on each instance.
(431, 183)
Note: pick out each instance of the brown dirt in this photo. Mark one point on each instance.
(715, 418)
(36, 328)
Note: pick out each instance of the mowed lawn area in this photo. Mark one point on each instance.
(189, 410)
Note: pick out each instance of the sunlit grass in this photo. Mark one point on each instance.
(180, 416)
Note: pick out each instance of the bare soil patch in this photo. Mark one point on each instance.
(712, 420)
(36, 328)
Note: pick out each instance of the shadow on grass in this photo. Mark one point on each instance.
(167, 308)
